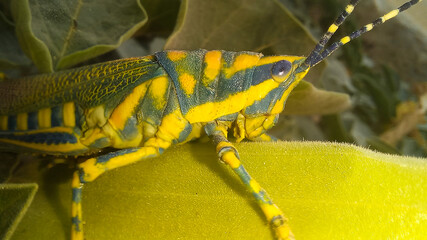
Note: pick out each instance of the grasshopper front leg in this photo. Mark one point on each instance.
(228, 154)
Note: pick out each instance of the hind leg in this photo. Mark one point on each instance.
(94, 167)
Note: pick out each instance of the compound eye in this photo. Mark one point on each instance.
(280, 70)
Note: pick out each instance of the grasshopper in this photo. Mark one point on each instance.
(141, 106)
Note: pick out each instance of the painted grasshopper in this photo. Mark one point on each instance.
(142, 106)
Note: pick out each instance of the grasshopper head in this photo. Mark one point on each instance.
(275, 77)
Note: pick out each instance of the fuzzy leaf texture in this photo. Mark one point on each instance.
(328, 191)
(14, 202)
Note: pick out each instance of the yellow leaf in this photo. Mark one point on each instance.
(328, 191)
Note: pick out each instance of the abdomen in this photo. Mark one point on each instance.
(53, 130)
(46, 113)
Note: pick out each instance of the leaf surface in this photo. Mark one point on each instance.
(11, 54)
(14, 202)
(328, 191)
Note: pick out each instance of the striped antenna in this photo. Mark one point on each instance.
(316, 56)
(331, 30)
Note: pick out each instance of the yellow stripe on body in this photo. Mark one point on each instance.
(69, 114)
(176, 55)
(369, 26)
(240, 63)
(172, 126)
(213, 64)
(187, 82)
(22, 121)
(48, 148)
(272, 59)
(49, 130)
(44, 118)
(196, 131)
(52, 148)
(157, 91)
(126, 108)
(58, 148)
(3, 122)
(212, 110)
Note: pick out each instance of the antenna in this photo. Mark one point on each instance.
(317, 55)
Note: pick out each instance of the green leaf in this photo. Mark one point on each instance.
(306, 99)
(35, 49)
(162, 16)
(11, 54)
(14, 202)
(328, 191)
(57, 35)
(241, 25)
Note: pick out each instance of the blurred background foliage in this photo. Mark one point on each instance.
(383, 73)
